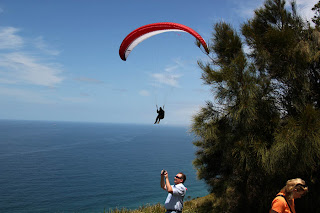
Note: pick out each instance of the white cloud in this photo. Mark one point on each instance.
(177, 64)
(25, 95)
(184, 113)
(9, 39)
(144, 93)
(171, 68)
(188, 111)
(7, 81)
(304, 8)
(20, 67)
(40, 43)
(245, 8)
(77, 100)
(25, 69)
(88, 80)
(166, 79)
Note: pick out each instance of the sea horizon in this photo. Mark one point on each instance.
(100, 122)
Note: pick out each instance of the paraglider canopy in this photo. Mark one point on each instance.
(146, 31)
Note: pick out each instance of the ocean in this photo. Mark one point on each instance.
(49, 166)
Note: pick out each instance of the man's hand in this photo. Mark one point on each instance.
(167, 182)
(162, 181)
(163, 172)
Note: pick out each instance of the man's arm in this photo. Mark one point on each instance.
(162, 184)
(168, 186)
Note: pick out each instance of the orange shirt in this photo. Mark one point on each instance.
(280, 205)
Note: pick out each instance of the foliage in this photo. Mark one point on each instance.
(158, 208)
(263, 127)
(197, 205)
(316, 17)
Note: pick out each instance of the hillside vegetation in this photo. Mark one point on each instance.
(198, 205)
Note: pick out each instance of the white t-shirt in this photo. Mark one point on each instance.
(174, 201)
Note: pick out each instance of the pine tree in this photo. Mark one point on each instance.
(264, 126)
(316, 17)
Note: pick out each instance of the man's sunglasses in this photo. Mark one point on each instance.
(178, 177)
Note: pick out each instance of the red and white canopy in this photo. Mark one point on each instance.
(144, 32)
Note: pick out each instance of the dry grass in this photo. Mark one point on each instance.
(198, 205)
(158, 208)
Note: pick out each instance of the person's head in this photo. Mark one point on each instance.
(180, 178)
(295, 188)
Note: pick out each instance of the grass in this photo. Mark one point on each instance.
(197, 205)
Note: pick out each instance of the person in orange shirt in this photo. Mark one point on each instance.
(284, 201)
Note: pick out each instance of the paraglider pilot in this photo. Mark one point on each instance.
(160, 114)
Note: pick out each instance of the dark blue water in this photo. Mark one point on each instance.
(89, 167)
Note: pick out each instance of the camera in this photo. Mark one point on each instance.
(163, 172)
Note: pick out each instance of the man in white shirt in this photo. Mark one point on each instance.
(176, 192)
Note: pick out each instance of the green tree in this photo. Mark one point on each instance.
(316, 17)
(264, 126)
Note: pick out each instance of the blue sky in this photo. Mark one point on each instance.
(59, 58)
